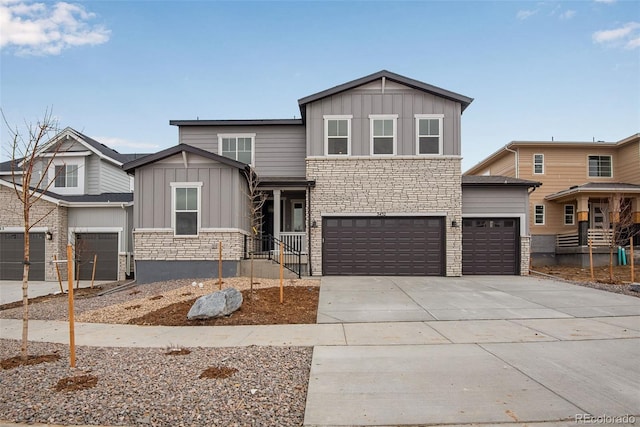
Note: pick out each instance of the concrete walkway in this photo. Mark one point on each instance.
(407, 351)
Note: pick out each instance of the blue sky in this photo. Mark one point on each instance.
(120, 70)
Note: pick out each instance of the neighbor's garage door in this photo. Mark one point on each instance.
(12, 256)
(105, 245)
(404, 246)
(491, 246)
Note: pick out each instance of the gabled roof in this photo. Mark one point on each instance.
(496, 180)
(463, 100)
(177, 149)
(596, 187)
(256, 122)
(91, 144)
(548, 144)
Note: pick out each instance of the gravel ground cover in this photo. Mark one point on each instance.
(147, 387)
(112, 308)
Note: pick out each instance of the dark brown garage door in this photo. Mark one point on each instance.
(105, 245)
(12, 255)
(368, 246)
(491, 246)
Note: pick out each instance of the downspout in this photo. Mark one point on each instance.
(517, 165)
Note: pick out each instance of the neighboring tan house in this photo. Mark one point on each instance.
(88, 204)
(366, 182)
(587, 186)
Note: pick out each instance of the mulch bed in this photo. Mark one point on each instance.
(262, 308)
(14, 362)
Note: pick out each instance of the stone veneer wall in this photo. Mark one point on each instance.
(162, 245)
(393, 185)
(525, 255)
(54, 218)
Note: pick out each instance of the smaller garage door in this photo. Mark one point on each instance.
(12, 254)
(491, 246)
(105, 246)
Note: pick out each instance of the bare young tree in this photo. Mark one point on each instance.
(255, 199)
(29, 189)
(618, 226)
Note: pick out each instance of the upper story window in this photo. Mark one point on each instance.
(538, 164)
(337, 135)
(66, 176)
(185, 208)
(429, 133)
(600, 166)
(238, 147)
(383, 134)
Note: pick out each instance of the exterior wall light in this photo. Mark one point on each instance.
(454, 224)
(48, 235)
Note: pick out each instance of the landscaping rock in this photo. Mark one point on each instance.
(217, 304)
(635, 287)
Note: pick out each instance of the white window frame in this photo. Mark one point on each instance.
(326, 119)
(221, 136)
(51, 175)
(572, 215)
(394, 119)
(440, 118)
(541, 164)
(174, 186)
(599, 155)
(535, 215)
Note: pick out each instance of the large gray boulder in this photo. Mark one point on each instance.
(217, 304)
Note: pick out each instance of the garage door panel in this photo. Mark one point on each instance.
(12, 254)
(490, 246)
(105, 246)
(383, 246)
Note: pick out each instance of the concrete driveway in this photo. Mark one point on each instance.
(478, 350)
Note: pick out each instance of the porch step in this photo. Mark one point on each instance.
(264, 268)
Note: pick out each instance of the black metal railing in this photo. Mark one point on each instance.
(268, 247)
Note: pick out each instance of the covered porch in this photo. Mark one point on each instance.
(605, 215)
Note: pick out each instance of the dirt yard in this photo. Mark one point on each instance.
(621, 282)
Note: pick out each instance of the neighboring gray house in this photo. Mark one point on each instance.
(89, 204)
(367, 182)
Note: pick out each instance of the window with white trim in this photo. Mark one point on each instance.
(66, 176)
(569, 214)
(185, 208)
(429, 133)
(239, 147)
(538, 212)
(337, 135)
(538, 164)
(600, 166)
(383, 134)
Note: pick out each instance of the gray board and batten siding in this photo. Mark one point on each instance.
(493, 201)
(223, 203)
(396, 99)
(279, 148)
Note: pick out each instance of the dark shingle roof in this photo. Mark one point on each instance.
(496, 180)
(176, 149)
(416, 84)
(597, 187)
(95, 198)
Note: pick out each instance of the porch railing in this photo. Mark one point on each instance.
(268, 247)
(598, 237)
(295, 240)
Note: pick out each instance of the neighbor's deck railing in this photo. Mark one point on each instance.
(598, 237)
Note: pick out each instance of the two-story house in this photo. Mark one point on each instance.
(88, 203)
(366, 182)
(587, 188)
